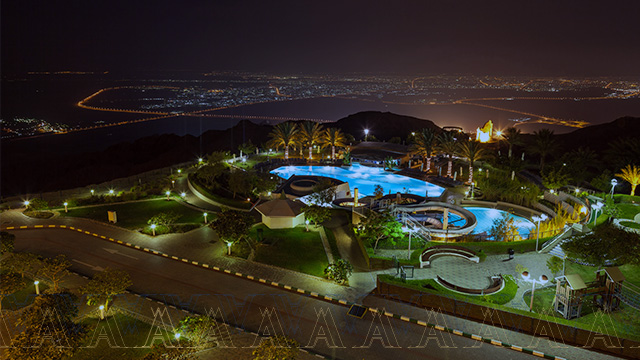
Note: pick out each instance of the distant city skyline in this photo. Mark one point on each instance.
(463, 37)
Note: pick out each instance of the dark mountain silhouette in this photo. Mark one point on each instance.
(598, 137)
(382, 125)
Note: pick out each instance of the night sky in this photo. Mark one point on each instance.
(431, 37)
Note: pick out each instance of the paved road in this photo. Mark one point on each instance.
(255, 306)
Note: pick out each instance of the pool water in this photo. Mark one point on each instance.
(486, 217)
(365, 179)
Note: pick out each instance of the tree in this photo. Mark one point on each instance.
(378, 192)
(512, 136)
(38, 204)
(555, 178)
(10, 282)
(473, 151)
(324, 192)
(7, 242)
(210, 174)
(623, 151)
(630, 174)
(543, 145)
(555, 264)
(380, 225)
(317, 214)
(197, 328)
(55, 269)
(22, 263)
(49, 331)
(277, 347)
(504, 229)
(607, 243)
(310, 133)
(610, 209)
(447, 145)
(346, 156)
(164, 219)
(425, 141)
(339, 271)
(283, 134)
(335, 138)
(247, 148)
(389, 163)
(578, 163)
(240, 181)
(232, 226)
(105, 285)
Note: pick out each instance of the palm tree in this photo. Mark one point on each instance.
(424, 145)
(543, 145)
(283, 134)
(310, 133)
(631, 174)
(513, 137)
(473, 151)
(447, 145)
(335, 138)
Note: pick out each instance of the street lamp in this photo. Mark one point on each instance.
(200, 160)
(597, 206)
(177, 335)
(307, 224)
(543, 280)
(111, 191)
(614, 182)
(205, 217)
(92, 191)
(65, 207)
(153, 229)
(37, 287)
(366, 134)
(101, 312)
(183, 194)
(173, 184)
(179, 171)
(229, 248)
(538, 219)
(26, 204)
(168, 193)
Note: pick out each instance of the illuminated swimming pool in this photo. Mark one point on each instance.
(486, 217)
(365, 179)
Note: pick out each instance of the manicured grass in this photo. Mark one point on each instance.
(293, 249)
(23, 297)
(134, 333)
(331, 238)
(630, 272)
(626, 321)
(619, 198)
(500, 298)
(253, 159)
(497, 247)
(135, 215)
(631, 224)
(628, 211)
(39, 214)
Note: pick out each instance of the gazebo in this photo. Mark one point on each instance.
(281, 213)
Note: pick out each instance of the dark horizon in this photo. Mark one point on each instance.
(536, 39)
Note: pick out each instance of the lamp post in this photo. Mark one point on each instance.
(26, 204)
(538, 219)
(199, 160)
(65, 206)
(153, 229)
(597, 206)
(543, 280)
(92, 192)
(101, 312)
(614, 182)
(37, 287)
(168, 193)
(111, 192)
(173, 184)
(228, 248)
(183, 194)
(177, 336)
(366, 134)
(306, 222)
(179, 171)
(205, 217)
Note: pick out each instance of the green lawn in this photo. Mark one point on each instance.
(628, 211)
(240, 204)
(430, 285)
(331, 238)
(136, 214)
(631, 224)
(134, 333)
(497, 247)
(631, 272)
(23, 297)
(293, 249)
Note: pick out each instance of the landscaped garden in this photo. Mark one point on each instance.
(294, 249)
(135, 215)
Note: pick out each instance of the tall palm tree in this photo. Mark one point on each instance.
(473, 151)
(631, 174)
(544, 144)
(335, 138)
(283, 134)
(447, 145)
(310, 133)
(424, 145)
(513, 137)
